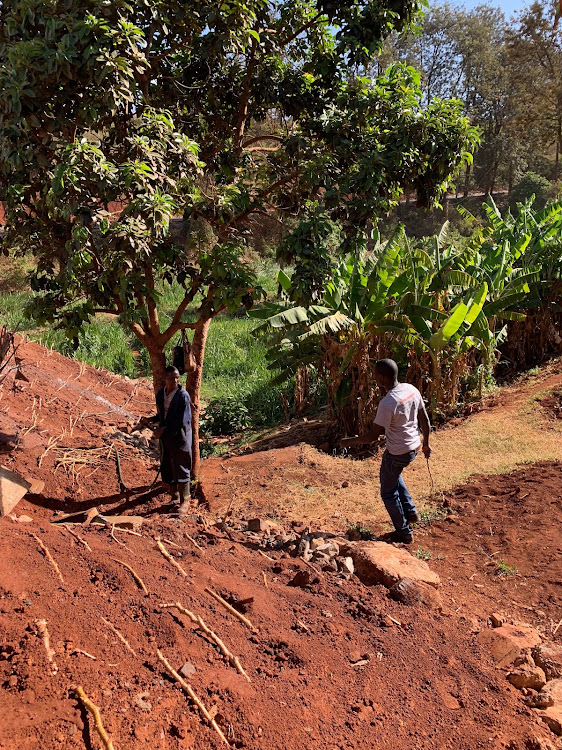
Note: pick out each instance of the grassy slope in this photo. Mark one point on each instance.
(235, 360)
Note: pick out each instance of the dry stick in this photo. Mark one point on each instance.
(122, 544)
(77, 536)
(267, 557)
(44, 633)
(264, 579)
(49, 557)
(94, 710)
(192, 540)
(232, 611)
(170, 559)
(137, 578)
(127, 531)
(234, 661)
(556, 628)
(189, 690)
(121, 637)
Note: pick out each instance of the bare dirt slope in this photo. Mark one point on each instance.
(426, 683)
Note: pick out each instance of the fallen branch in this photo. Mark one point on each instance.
(233, 660)
(267, 557)
(94, 710)
(51, 653)
(121, 544)
(232, 611)
(121, 637)
(170, 559)
(186, 687)
(49, 557)
(264, 579)
(137, 578)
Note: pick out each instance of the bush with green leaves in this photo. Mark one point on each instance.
(225, 416)
(531, 184)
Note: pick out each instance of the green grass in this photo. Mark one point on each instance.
(235, 365)
(504, 570)
(423, 554)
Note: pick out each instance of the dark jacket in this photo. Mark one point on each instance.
(177, 423)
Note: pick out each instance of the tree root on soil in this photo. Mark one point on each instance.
(44, 633)
(170, 559)
(233, 611)
(233, 660)
(121, 637)
(189, 690)
(77, 536)
(49, 557)
(94, 710)
(135, 575)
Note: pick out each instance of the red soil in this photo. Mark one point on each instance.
(426, 686)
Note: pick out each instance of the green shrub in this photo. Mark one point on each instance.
(225, 416)
(531, 184)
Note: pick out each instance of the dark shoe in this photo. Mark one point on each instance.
(185, 498)
(413, 517)
(398, 537)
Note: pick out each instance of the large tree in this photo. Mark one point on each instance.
(197, 121)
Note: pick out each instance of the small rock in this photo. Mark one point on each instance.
(548, 656)
(527, 677)
(141, 702)
(261, 525)
(385, 621)
(411, 592)
(302, 579)
(496, 620)
(24, 519)
(316, 543)
(187, 670)
(326, 613)
(345, 566)
(344, 484)
(537, 743)
(550, 695)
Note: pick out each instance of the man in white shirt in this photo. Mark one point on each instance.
(400, 416)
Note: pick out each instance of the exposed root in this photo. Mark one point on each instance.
(192, 540)
(44, 633)
(94, 710)
(84, 653)
(135, 575)
(77, 536)
(186, 687)
(233, 660)
(170, 559)
(121, 637)
(232, 611)
(49, 557)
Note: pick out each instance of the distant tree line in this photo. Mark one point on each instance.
(508, 75)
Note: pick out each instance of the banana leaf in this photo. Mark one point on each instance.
(450, 326)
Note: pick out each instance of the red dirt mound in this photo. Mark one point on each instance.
(425, 684)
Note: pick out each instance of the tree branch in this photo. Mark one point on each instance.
(244, 101)
(301, 30)
(258, 138)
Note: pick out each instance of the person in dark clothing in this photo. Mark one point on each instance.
(174, 432)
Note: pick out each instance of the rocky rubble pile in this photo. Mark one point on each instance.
(534, 666)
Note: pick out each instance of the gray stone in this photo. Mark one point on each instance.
(379, 562)
(188, 670)
(345, 566)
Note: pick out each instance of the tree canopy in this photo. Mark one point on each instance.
(201, 121)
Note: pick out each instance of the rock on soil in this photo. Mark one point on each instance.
(412, 592)
(548, 657)
(550, 695)
(509, 642)
(552, 717)
(379, 562)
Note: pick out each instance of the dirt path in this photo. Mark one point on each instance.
(302, 483)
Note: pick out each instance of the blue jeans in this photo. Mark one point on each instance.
(395, 496)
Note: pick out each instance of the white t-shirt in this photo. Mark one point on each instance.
(398, 414)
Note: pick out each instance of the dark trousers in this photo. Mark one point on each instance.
(175, 463)
(395, 496)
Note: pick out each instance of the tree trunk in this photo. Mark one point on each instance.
(466, 181)
(493, 177)
(510, 178)
(157, 362)
(194, 388)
